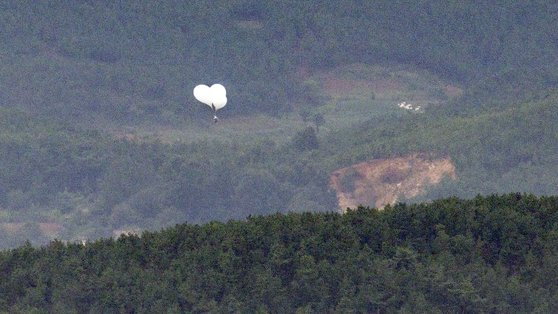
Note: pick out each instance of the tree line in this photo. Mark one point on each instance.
(486, 254)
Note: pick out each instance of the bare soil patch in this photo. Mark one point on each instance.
(50, 228)
(453, 91)
(385, 181)
(11, 227)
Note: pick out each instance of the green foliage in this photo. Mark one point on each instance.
(488, 254)
(508, 150)
(138, 61)
(349, 179)
(306, 140)
(91, 185)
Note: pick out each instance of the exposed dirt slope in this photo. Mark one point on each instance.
(385, 181)
(390, 83)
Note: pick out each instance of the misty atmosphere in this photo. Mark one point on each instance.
(340, 117)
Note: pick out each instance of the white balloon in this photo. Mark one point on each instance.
(219, 102)
(214, 96)
(203, 94)
(218, 90)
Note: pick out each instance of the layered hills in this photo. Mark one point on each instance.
(100, 134)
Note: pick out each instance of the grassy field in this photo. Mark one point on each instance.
(353, 95)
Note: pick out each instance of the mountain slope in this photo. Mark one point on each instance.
(512, 149)
(487, 254)
(138, 61)
(313, 88)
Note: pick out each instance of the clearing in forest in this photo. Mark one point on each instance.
(380, 182)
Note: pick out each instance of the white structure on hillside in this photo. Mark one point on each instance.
(407, 106)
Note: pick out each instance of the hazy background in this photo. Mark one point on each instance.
(100, 133)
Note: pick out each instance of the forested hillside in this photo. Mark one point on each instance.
(136, 60)
(492, 151)
(488, 254)
(100, 133)
(90, 185)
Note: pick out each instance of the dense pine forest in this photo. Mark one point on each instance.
(490, 254)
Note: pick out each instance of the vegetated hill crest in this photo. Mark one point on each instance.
(451, 255)
(380, 182)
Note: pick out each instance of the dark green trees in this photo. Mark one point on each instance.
(306, 140)
(488, 254)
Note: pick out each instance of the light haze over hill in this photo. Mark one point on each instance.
(100, 132)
